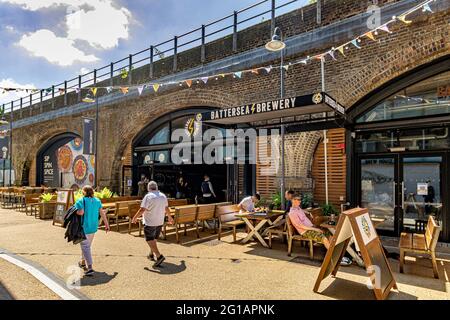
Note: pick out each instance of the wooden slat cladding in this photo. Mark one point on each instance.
(336, 169)
(266, 181)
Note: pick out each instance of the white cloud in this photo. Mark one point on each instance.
(44, 43)
(99, 22)
(9, 96)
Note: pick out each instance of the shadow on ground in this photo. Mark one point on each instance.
(97, 279)
(4, 293)
(168, 268)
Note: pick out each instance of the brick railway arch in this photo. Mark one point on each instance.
(159, 107)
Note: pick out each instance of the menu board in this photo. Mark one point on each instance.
(357, 222)
(64, 199)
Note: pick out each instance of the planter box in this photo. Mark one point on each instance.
(47, 210)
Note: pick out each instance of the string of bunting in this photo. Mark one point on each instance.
(356, 43)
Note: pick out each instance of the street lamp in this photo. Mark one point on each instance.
(275, 45)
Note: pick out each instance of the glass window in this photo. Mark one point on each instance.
(376, 142)
(426, 98)
(161, 136)
(151, 157)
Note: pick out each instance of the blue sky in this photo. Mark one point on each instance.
(43, 42)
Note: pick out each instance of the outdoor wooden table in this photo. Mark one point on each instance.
(263, 218)
(351, 252)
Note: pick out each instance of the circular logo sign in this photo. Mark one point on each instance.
(317, 98)
(161, 157)
(192, 127)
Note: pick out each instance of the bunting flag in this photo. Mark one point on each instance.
(355, 43)
(255, 71)
(109, 89)
(222, 75)
(156, 87)
(268, 69)
(370, 35)
(189, 82)
(402, 18)
(140, 89)
(331, 53)
(286, 67)
(124, 73)
(304, 61)
(124, 90)
(385, 28)
(341, 50)
(426, 7)
(318, 57)
(205, 80)
(238, 74)
(77, 90)
(94, 91)
(61, 91)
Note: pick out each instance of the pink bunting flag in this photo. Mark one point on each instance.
(205, 80)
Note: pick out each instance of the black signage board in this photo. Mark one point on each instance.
(88, 136)
(279, 108)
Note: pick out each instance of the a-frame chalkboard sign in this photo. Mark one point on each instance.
(356, 222)
(64, 199)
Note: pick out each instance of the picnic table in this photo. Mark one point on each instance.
(260, 219)
(351, 252)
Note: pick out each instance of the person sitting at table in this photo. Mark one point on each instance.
(304, 226)
(248, 203)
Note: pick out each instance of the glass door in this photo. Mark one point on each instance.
(421, 191)
(379, 190)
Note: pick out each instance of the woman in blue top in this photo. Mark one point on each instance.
(90, 208)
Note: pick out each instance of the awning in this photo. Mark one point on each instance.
(275, 109)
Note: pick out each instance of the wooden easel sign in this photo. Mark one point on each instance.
(64, 199)
(356, 222)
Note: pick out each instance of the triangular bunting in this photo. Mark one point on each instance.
(222, 75)
(140, 89)
(255, 71)
(385, 28)
(341, 50)
(355, 43)
(205, 80)
(189, 83)
(403, 19)
(94, 91)
(156, 87)
(124, 90)
(370, 35)
(268, 69)
(77, 90)
(109, 89)
(61, 91)
(304, 61)
(286, 67)
(238, 74)
(331, 53)
(426, 7)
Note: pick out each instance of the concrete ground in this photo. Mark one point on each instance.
(197, 269)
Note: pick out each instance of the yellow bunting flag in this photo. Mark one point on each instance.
(370, 35)
(222, 75)
(124, 90)
(403, 19)
(156, 87)
(189, 83)
(341, 50)
(94, 91)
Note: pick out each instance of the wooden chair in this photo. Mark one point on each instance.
(280, 230)
(31, 203)
(133, 208)
(292, 235)
(206, 212)
(227, 219)
(185, 216)
(421, 244)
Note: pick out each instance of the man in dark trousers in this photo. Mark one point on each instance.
(208, 194)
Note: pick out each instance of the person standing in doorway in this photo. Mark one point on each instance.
(154, 208)
(207, 190)
(288, 197)
(142, 186)
(90, 208)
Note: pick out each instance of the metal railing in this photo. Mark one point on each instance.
(108, 74)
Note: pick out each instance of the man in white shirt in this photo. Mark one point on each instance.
(154, 208)
(248, 203)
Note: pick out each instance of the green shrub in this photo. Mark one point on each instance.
(46, 197)
(328, 209)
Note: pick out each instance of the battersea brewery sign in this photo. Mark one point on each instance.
(255, 108)
(307, 104)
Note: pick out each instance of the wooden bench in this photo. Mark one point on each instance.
(31, 203)
(120, 199)
(206, 212)
(133, 208)
(421, 244)
(177, 202)
(186, 215)
(120, 212)
(227, 219)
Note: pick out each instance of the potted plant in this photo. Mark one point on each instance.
(276, 201)
(306, 200)
(47, 208)
(329, 210)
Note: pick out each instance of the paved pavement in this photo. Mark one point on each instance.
(197, 269)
